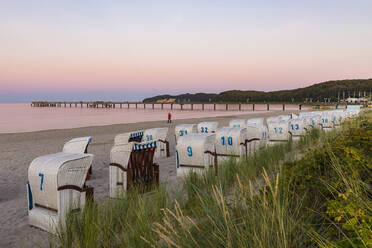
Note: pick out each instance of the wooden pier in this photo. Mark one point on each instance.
(172, 106)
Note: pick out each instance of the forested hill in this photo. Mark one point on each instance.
(329, 89)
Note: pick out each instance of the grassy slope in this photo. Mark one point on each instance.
(252, 203)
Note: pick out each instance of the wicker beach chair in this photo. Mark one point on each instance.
(207, 127)
(195, 152)
(56, 184)
(160, 136)
(132, 166)
(184, 129)
(79, 145)
(237, 123)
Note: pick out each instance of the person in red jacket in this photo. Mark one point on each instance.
(169, 118)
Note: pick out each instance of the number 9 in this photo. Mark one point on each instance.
(189, 151)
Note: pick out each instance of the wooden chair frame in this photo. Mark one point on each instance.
(141, 171)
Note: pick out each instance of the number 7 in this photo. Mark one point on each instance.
(41, 180)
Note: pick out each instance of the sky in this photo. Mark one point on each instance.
(128, 50)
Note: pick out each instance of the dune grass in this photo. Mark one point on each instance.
(287, 195)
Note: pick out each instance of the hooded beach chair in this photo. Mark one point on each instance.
(237, 123)
(327, 123)
(232, 142)
(184, 129)
(160, 136)
(131, 165)
(79, 145)
(195, 152)
(258, 136)
(297, 127)
(255, 122)
(207, 127)
(278, 131)
(125, 138)
(56, 184)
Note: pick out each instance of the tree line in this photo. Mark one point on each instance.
(330, 91)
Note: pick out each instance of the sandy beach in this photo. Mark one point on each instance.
(19, 149)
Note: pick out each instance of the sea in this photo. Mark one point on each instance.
(21, 117)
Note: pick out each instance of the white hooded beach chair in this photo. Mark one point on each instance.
(56, 184)
(132, 165)
(337, 117)
(125, 138)
(207, 127)
(278, 131)
(79, 145)
(232, 142)
(285, 117)
(255, 122)
(273, 119)
(327, 122)
(195, 152)
(237, 123)
(293, 116)
(315, 121)
(184, 129)
(159, 135)
(257, 134)
(297, 127)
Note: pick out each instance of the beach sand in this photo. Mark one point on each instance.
(19, 149)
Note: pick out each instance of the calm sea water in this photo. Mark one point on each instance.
(24, 118)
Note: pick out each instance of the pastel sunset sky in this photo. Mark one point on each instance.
(128, 50)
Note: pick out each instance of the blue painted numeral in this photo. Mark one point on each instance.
(41, 175)
(204, 129)
(229, 140)
(189, 151)
(280, 130)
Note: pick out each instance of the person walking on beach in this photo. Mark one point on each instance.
(169, 118)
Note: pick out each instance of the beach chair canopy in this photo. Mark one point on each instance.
(120, 154)
(125, 138)
(285, 117)
(255, 121)
(159, 135)
(155, 134)
(237, 123)
(297, 127)
(327, 119)
(336, 116)
(185, 129)
(259, 132)
(191, 150)
(316, 120)
(77, 145)
(355, 108)
(273, 119)
(132, 164)
(50, 173)
(278, 131)
(231, 141)
(254, 132)
(207, 127)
